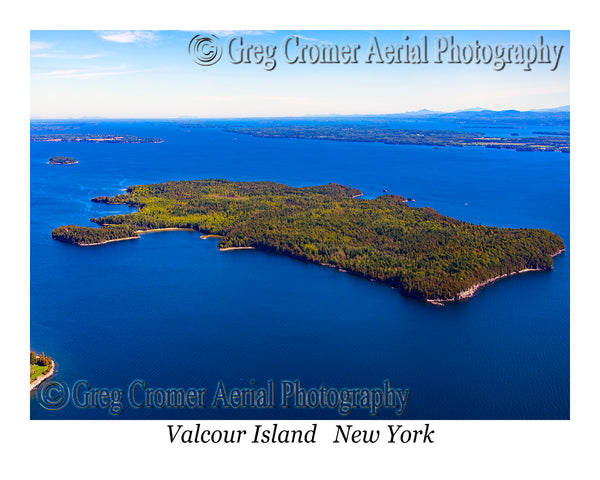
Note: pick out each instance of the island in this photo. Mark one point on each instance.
(41, 367)
(419, 251)
(394, 136)
(62, 161)
(91, 138)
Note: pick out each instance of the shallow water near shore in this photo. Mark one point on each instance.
(171, 309)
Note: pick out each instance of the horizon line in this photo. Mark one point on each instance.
(421, 112)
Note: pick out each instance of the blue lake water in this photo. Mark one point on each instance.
(172, 310)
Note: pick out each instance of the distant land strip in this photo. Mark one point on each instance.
(92, 138)
(437, 138)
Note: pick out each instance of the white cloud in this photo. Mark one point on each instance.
(231, 33)
(34, 46)
(83, 74)
(308, 39)
(66, 56)
(128, 36)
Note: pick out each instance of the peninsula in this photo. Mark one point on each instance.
(417, 250)
(62, 161)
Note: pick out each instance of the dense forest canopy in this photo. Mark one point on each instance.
(425, 254)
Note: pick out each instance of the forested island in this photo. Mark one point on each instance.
(62, 161)
(91, 138)
(436, 138)
(417, 250)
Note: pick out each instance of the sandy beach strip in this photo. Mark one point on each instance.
(236, 248)
(209, 235)
(107, 241)
(167, 229)
(139, 232)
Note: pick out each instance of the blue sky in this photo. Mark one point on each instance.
(150, 74)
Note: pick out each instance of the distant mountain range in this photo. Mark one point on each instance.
(561, 114)
(425, 111)
(565, 108)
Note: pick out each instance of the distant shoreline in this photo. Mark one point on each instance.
(91, 138)
(406, 136)
(43, 377)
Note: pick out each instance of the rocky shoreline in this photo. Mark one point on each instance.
(470, 292)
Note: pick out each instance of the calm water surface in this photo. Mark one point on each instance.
(172, 310)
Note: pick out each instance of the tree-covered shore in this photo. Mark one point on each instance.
(423, 253)
(41, 367)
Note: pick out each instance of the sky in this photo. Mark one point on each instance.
(151, 74)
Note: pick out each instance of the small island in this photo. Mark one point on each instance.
(41, 367)
(419, 251)
(62, 161)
